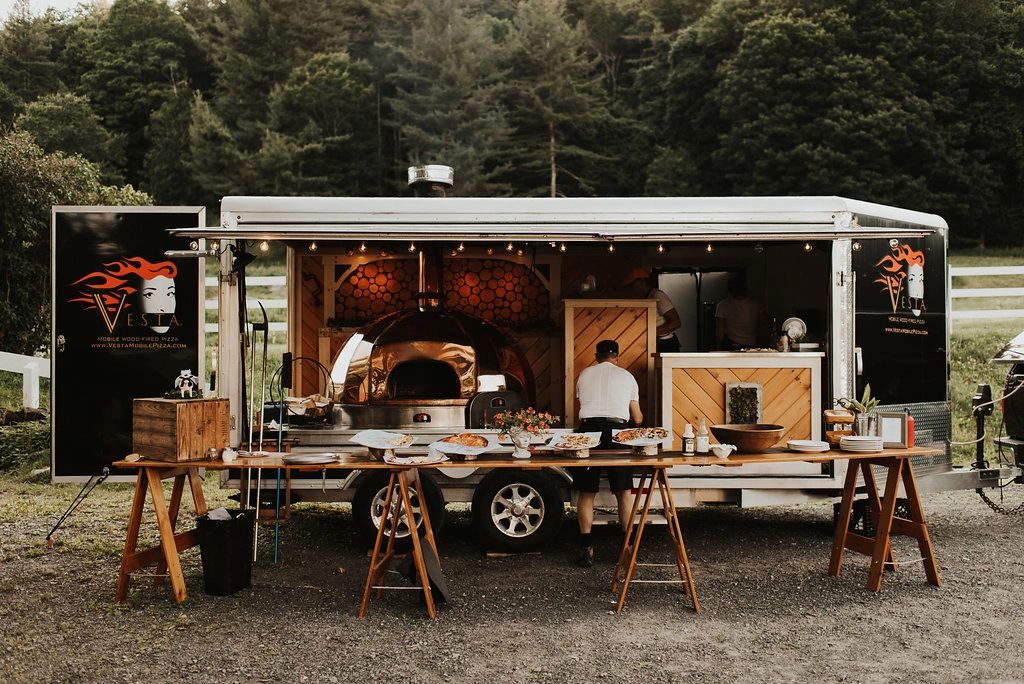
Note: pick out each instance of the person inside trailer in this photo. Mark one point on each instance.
(645, 286)
(609, 400)
(737, 318)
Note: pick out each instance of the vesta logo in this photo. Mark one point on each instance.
(901, 274)
(131, 291)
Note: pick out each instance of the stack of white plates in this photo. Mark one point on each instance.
(808, 446)
(860, 443)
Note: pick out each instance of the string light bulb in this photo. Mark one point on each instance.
(808, 246)
(362, 247)
(509, 247)
(412, 246)
(709, 248)
(661, 248)
(264, 246)
(611, 246)
(562, 248)
(856, 245)
(312, 246)
(461, 248)
(519, 252)
(490, 251)
(453, 252)
(350, 252)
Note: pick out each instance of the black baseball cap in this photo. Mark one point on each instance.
(606, 347)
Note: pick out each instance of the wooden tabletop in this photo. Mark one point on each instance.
(359, 459)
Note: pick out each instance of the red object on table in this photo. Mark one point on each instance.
(910, 431)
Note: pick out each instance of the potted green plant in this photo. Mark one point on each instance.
(864, 411)
(522, 425)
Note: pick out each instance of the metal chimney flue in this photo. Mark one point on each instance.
(431, 180)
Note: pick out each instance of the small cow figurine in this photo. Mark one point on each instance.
(185, 384)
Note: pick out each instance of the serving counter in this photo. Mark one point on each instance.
(404, 479)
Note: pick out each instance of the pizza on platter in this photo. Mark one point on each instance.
(467, 439)
(641, 433)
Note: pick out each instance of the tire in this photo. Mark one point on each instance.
(368, 502)
(517, 510)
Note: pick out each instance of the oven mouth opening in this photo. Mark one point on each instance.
(423, 379)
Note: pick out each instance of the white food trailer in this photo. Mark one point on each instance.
(524, 287)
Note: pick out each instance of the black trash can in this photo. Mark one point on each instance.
(226, 549)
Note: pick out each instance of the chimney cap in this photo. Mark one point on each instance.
(432, 173)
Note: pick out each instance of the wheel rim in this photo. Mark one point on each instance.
(517, 510)
(377, 511)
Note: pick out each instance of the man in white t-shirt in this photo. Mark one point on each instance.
(609, 400)
(737, 318)
(644, 286)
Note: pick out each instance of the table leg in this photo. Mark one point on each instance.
(428, 528)
(875, 507)
(835, 565)
(167, 540)
(631, 568)
(628, 540)
(392, 526)
(196, 486)
(372, 572)
(417, 549)
(685, 573)
(132, 539)
(885, 519)
(924, 541)
(176, 492)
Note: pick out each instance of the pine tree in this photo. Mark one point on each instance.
(556, 99)
(27, 67)
(447, 100)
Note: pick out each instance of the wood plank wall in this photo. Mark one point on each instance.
(545, 360)
(631, 323)
(700, 393)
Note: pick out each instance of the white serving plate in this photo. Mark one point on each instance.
(429, 459)
(808, 446)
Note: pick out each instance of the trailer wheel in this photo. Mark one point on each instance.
(517, 510)
(368, 508)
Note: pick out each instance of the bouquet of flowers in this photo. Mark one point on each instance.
(524, 420)
(522, 425)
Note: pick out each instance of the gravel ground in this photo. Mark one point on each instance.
(770, 610)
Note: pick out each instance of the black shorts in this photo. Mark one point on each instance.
(588, 479)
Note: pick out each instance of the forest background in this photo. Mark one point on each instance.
(915, 103)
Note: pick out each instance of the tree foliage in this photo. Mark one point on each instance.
(908, 102)
(32, 181)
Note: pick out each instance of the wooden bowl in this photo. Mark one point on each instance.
(749, 438)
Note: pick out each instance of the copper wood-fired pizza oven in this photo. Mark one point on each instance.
(420, 368)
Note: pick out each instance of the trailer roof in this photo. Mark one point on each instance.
(618, 218)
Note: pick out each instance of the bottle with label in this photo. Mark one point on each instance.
(703, 441)
(688, 440)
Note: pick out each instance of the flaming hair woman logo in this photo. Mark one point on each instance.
(902, 272)
(108, 291)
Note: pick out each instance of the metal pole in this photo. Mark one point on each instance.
(256, 524)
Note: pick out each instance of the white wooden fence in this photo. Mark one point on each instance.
(31, 368)
(986, 292)
(252, 303)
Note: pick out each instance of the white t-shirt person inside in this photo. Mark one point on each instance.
(737, 318)
(605, 391)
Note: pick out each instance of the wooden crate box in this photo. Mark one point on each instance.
(179, 429)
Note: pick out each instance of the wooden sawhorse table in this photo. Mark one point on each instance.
(165, 556)
(627, 565)
(883, 514)
(403, 481)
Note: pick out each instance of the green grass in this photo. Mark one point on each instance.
(974, 344)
